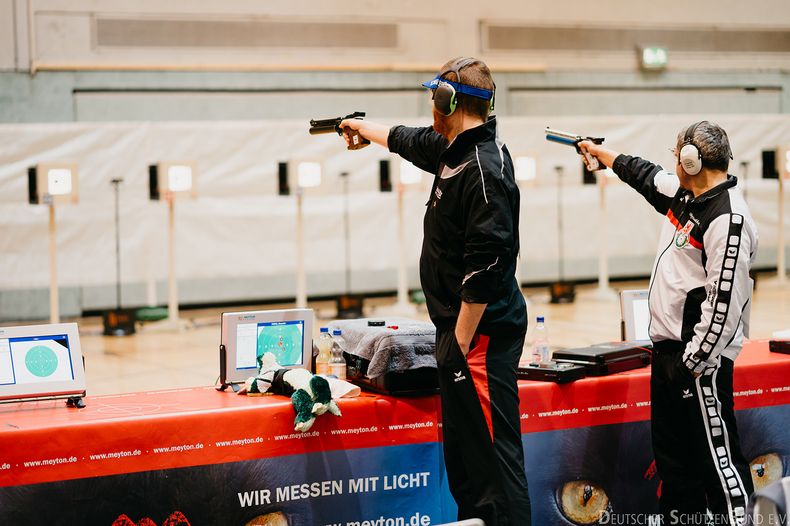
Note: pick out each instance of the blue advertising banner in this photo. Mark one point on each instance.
(387, 486)
(590, 475)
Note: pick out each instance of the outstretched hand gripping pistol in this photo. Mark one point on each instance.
(571, 139)
(318, 127)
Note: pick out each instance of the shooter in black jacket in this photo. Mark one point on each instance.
(467, 270)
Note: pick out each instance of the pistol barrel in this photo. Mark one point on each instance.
(319, 130)
(318, 127)
(562, 137)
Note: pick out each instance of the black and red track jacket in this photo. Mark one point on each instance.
(470, 242)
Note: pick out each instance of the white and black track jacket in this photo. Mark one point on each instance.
(700, 289)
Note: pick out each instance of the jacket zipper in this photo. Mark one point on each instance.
(650, 289)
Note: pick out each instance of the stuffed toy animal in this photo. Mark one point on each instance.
(310, 394)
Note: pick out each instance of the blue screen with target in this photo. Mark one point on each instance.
(35, 359)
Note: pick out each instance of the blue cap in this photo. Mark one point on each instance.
(540, 319)
(337, 332)
(325, 329)
(480, 93)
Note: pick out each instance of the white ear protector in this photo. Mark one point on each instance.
(689, 156)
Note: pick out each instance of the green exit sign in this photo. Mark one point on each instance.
(654, 57)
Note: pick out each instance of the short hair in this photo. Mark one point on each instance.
(712, 142)
(475, 74)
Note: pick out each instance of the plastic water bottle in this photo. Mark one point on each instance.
(337, 364)
(540, 343)
(324, 352)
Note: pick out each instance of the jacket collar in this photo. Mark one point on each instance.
(730, 182)
(459, 148)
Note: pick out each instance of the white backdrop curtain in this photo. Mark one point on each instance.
(235, 241)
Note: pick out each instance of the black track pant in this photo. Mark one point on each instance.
(695, 441)
(481, 426)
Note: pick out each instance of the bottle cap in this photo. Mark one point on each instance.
(540, 319)
(325, 329)
(337, 332)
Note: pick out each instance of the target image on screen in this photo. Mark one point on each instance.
(284, 339)
(35, 360)
(41, 361)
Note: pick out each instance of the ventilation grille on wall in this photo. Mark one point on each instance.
(242, 33)
(522, 38)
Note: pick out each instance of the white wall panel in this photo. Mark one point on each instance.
(7, 35)
(67, 40)
(235, 241)
(428, 34)
(636, 101)
(175, 106)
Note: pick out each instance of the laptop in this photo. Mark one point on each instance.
(614, 357)
(635, 316)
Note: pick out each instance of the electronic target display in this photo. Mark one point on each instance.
(246, 336)
(284, 339)
(40, 361)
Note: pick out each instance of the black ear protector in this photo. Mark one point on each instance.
(689, 156)
(445, 95)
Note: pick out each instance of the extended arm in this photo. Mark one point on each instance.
(372, 131)
(655, 184)
(420, 146)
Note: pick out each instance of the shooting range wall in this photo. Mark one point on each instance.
(236, 240)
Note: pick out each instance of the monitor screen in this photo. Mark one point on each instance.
(635, 315)
(40, 360)
(246, 336)
(284, 339)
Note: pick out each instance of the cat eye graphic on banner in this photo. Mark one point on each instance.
(53, 184)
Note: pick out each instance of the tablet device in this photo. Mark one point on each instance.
(288, 334)
(41, 361)
(635, 316)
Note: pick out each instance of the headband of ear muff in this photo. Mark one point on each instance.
(689, 156)
(445, 92)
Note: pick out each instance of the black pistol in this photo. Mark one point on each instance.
(318, 127)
